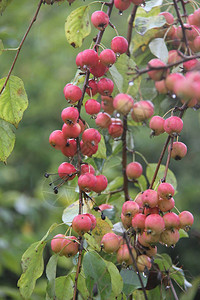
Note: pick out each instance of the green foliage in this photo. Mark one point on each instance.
(51, 275)
(159, 49)
(97, 274)
(4, 4)
(131, 281)
(142, 25)
(7, 140)
(64, 287)
(101, 152)
(32, 266)
(14, 100)
(170, 175)
(191, 292)
(77, 26)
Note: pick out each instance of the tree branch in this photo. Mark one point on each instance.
(21, 44)
(130, 27)
(124, 158)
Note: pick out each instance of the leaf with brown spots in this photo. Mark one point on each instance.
(13, 100)
(77, 26)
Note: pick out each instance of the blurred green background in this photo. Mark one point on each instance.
(46, 63)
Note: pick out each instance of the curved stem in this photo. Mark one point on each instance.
(21, 44)
(130, 27)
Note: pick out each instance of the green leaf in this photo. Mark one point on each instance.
(71, 211)
(51, 275)
(32, 266)
(164, 261)
(131, 281)
(170, 175)
(178, 275)
(64, 288)
(117, 78)
(77, 26)
(154, 293)
(115, 184)
(183, 233)
(7, 140)
(151, 4)
(1, 47)
(13, 100)
(191, 292)
(116, 279)
(124, 65)
(159, 49)
(142, 25)
(52, 227)
(141, 183)
(96, 273)
(3, 5)
(101, 152)
(90, 238)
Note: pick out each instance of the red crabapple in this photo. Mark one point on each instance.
(126, 220)
(105, 206)
(88, 148)
(98, 70)
(90, 58)
(107, 57)
(122, 4)
(105, 86)
(87, 181)
(143, 262)
(103, 120)
(70, 148)
(166, 204)
(72, 93)
(92, 88)
(81, 224)
(168, 17)
(85, 168)
(92, 107)
(56, 243)
(123, 255)
(154, 224)
(148, 239)
(110, 242)
(134, 170)
(165, 190)
(119, 44)
(65, 171)
(70, 115)
(91, 135)
(158, 74)
(179, 150)
(150, 198)
(130, 208)
(71, 131)
(173, 57)
(171, 80)
(138, 222)
(100, 19)
(151, 210)
(69, 246)
(173, 124)
(57, 140)
(169, 237)
(161, 87)
(151, 251)
(115, 129)
(186, 220)
(101, 184)
(157, 125)
(142, 110)
(93, 220)
(123, 103)
(171, 220)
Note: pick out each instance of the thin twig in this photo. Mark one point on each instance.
(173, 290)
(20, 45)
(78, 268)
(168, 160)
(130, 27)
(124, 158)
(135, 265)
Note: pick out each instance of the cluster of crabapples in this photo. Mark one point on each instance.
(150, 217)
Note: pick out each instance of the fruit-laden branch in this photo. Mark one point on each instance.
(139, 72)
(78, 268)
(135, 265)
(21, 44)
(182, 26)
(130, 27)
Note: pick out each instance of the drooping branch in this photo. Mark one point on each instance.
(78, 268)
(182, 26)
(124, 159)
(21, 44)
(130, 27)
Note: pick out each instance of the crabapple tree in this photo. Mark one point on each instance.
(113, 229)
